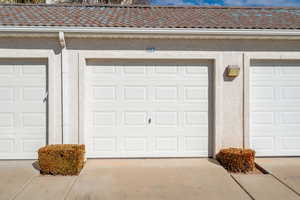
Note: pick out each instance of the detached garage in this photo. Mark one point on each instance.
(143, 82)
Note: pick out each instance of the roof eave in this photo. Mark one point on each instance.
(149, 32)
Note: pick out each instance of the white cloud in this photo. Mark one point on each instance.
(262, 2)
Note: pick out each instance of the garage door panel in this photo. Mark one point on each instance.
(104, 93)
(22, 81)
(290, 93)
(275, 108)
(166, 70)
(30, 145)
(33, 120)
(149, 81)
(105, 119)
(33, 70)
(135, 118)
(166, 93)
(269, 106)
(156, 105)
(290, 71)
(18, 107)
(275, 118)
(195, 144)
(135, 145)
(274, 131)
(171, 118)
(264, 145)
(289, 118)
(13, 133)
(262, 93)
(135, 93)
(289, 143)
(22, 110)
(7, 70)
(154, 131)
(6, 120)
(147, 109)
(33, 93)
(6, 94)
(6, 145)
(267, 80)
(196, 71)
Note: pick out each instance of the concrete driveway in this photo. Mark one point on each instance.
(286, 170)
(118, 179)
(137, 179)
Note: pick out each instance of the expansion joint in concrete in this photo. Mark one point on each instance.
(244, 189)
(23, 187)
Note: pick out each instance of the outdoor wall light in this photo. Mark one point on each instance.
(151, 49)
(233, 71)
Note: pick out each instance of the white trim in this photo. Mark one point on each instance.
(163, 55)
(247, 59)
(54, 136)
(62, 40)
(159, 33)
(246, 90)
(81, 99)
(136, 54)
(125, 30)
(65, 90)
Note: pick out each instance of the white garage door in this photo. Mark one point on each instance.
(147, 109)
(275, 108)
(22, 111)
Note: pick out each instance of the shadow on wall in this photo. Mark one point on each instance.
(143, 44)
(183, 45)
(31, 43)
(227, 78)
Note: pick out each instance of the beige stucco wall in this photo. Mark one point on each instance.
(231, 53)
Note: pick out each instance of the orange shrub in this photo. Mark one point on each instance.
(237, 159)
(61, 159)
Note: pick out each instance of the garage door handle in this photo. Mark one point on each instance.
(45, 97)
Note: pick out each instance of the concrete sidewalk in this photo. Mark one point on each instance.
(282, 182)
(138, 179)
(264, 187)
(286, 170)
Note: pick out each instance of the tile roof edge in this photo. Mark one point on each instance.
(146, 6)
(87, 29)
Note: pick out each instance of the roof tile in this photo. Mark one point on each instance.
(149, 16)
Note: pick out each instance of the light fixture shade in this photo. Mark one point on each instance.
(233, 71)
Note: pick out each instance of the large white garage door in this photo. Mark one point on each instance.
(22, 111)
(147, 109)
(275, 108)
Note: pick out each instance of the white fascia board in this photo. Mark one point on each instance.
(153, 31)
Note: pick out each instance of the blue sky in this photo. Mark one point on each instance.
(228, 2)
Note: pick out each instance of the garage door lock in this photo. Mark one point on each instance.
(45, 97)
